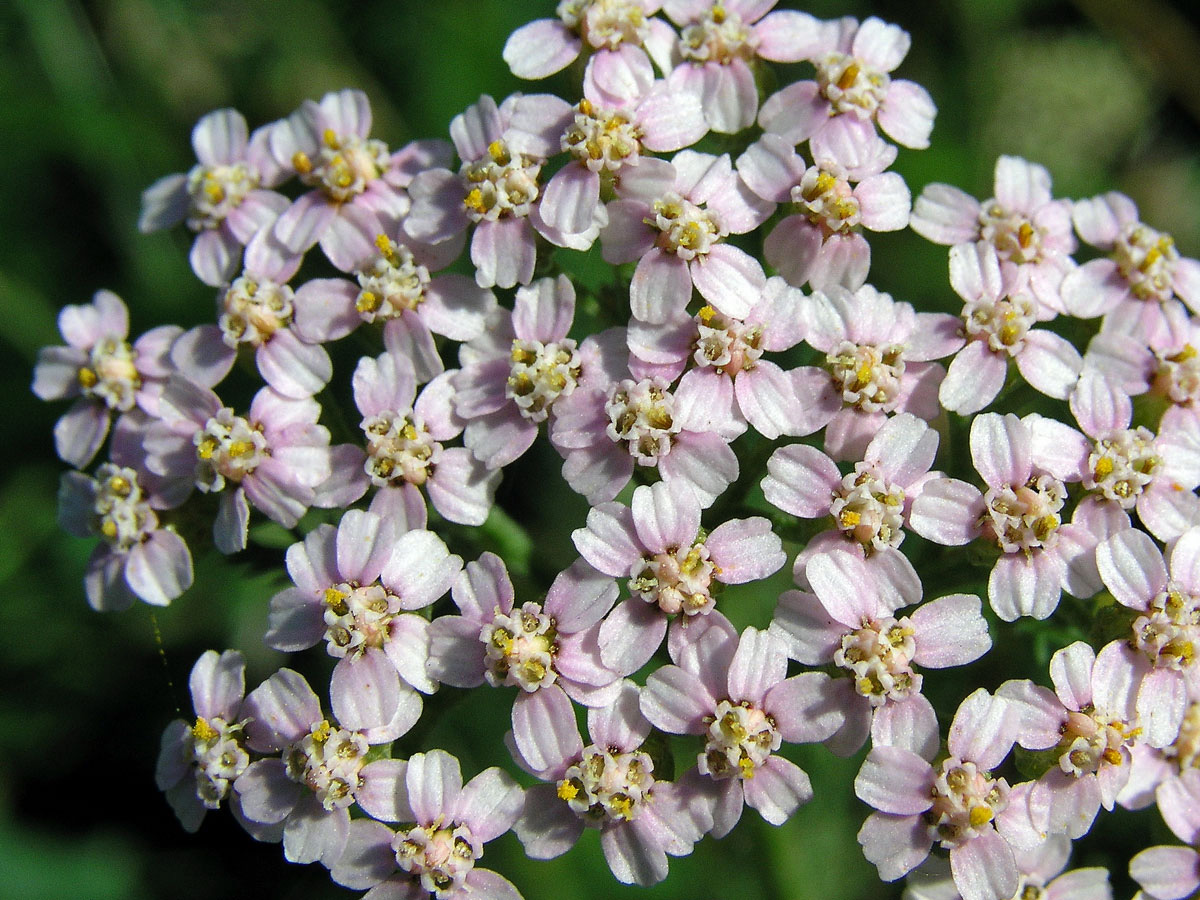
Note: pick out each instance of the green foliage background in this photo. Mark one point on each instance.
(97, 100)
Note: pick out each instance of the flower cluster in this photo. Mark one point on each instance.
(721, 414)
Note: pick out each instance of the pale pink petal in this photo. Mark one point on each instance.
(985, 868)
(661, 286)
(950, 631)
(503, 252)
(745, 550)
(947, 512)
(383, 794)
(778, 789)
(803, 707)
(1167, 873)
(434, 782)
(895, 781)
(981, 730)
(1002, 449)
(674, 700)
(630, 635)
(895, 844)
(811, 633)
(704, 462)
(945, 215)
(903, 450)
(729, 279)
(541, 48)
(1093, 289)
(840, 581)
(909, 724)
(1049, 363)
(1071, 673)
(885, 202)
(1026, 586)
(795, 113)
(801, 480)
(1131, 567)
(160, 568)
(771, 167)
(305, 221)
(792, 248)
(664, 518)
(907, 114)
(293, 368)
(1099, 220)
(670, 121)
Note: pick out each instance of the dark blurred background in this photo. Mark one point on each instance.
(97, 101)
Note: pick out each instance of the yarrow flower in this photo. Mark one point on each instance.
(609, 785)
(671, 566)
(225, 198)
(198, 763)
(451, 821)
(735, 694)
(138, 557)
(102, 371)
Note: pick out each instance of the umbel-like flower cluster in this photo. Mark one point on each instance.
(715, 369)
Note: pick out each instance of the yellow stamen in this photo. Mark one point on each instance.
(980, 815)
(202, 731)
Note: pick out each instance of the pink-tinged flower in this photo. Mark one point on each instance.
(869, 505)
(405, 434)
(602, 430)
(1155, 772)
(671, 566)
(960, 804)
(437, 854)
(1022, 221)
(257, 310)
(197, 763)
(608, 785)
(328, 146)
(613, 30)
(729, 379)
(394, 287)
(673, 218)
(1143, 274)
(357, 587)
(1173, 873)
(605, 135)
(720, 42)
(849, 620)
(496, 189)
(1158, 659)
(736, 694)
(1020, 513)
(544, 648)
(878, 357)
(1165, 363)
(1128, 468)
(224, 198)
(1087, 724)
(1037, 868)
(998, 318)
(514, 374)
(821, 242)
(308, 789)
(138, 557)
(102, 372)
(853, 64)
(273, 458)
